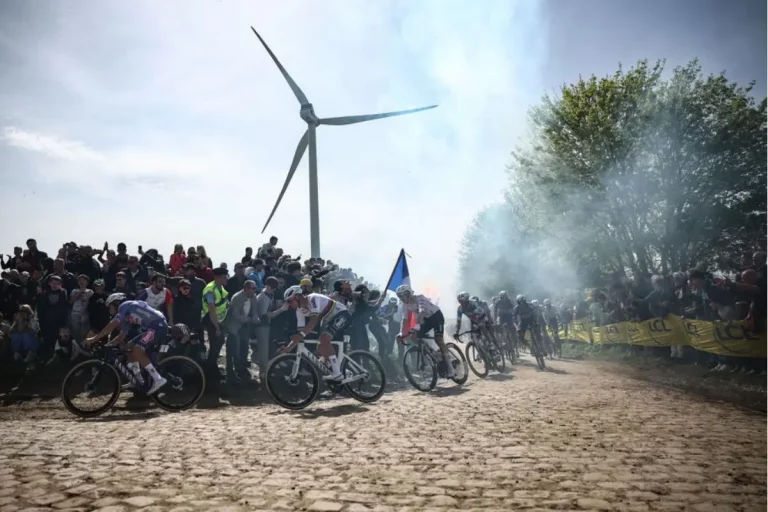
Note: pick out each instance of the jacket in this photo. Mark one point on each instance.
(236, 317)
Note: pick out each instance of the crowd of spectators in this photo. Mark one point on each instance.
(696, 294)
(50, 304)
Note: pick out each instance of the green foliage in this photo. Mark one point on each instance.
(633, 174)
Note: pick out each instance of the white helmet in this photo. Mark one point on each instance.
(403, 289)
(463, 296)
(520, 298)
(293, 290)
(502, 293)
(547, 302)
(534, 302)
(115, 298)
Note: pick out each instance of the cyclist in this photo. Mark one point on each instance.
(152, 328)
(428, 318)
(484, 306)
(473, 311)
(503, 310)
(549, 314)
(315, 309)
(524, 316)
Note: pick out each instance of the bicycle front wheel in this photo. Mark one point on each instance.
(371, 386)
(288, 391)
(477, 360)
(420, 370)
(459, 362)
(90, 388)
(186, 383)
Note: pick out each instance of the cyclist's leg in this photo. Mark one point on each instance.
(139, 350)
(335, 328)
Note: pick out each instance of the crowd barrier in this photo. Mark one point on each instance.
(720, 338)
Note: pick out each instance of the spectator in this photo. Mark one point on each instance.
(293, 274)
(13, 261)
(83, 263)
(10, 296)
(257, 274)
(79, 299)
(28, 289)
(243, 314)
(121, 286)
(67, 278)
(187, 306)
(387, 315)
(158, 297)
(268, 249)
(135, 274)
(215, 306)
(33, 257)
(246, 260)
(204, 256)
(267, 310)
(98, 313)
(151, 260)
(24, 342)
(122, 251)
(109, 268)
(237, 281)
(202, 270)
(178, 259)
(52, 311)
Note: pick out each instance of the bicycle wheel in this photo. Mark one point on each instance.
(90, 388)
(510, 345)
(287, 391)
(499, 356)
(420, 369)
(186, 383)
(369, 388)
(477, 360)
(538, 352)
(460, 369)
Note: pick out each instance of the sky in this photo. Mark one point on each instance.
(157, 123)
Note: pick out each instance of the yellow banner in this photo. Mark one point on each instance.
(722, 338)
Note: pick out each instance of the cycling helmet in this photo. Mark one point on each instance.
(547, 302)
(179, 331)
(463, 297)
(534, 302)
(403, 289)
(520, 298)
(475, 298)
(293, 290)
(115, 298)
(502, 294)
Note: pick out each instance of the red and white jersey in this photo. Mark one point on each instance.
(420, 306)
(157, 300)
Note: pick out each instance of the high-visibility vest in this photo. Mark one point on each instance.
(219, 300)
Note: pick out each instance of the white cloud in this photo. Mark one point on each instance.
(50, 146)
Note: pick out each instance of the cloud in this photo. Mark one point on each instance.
(50, 146)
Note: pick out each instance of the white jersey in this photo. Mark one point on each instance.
(420, 306)
(320, 305)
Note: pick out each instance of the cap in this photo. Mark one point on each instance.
(54, 277)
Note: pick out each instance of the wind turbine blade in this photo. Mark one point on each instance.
(295, 88)
(338, 121)
(296, 159)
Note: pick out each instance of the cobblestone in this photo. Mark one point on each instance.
(574, 438)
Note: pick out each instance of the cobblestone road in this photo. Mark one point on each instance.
(575, 438)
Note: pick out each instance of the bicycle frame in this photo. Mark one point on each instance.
(113, 353)
(303, 351)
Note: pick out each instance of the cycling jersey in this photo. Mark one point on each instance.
(139, 314)
(474, 312)
(504, 306)
(320, 305)
(524, 312)
(549, 313)
(420, 306)
(161, 301)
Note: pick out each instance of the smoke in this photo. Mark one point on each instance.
(645, 191)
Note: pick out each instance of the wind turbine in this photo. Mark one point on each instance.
(307, 113)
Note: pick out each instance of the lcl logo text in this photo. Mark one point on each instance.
(732, 332)
(658, 325)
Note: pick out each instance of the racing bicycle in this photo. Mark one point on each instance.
(423, 364)
(508, 337)
(537, 345)
(484, 353)
(93, 386)
(293, 379)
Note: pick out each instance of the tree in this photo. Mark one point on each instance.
(634, 174)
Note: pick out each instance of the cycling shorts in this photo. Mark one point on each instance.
(150, 339)
(506, 319)
(435, 322)
(336, 325)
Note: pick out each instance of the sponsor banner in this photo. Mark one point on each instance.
(721, 338)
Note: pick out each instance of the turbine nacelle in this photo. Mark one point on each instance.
(307, 113)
